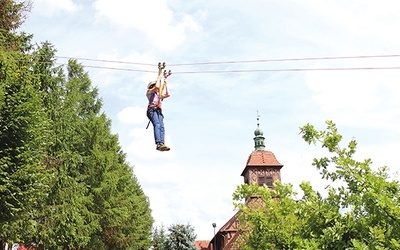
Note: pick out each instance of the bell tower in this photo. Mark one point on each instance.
(262, 166)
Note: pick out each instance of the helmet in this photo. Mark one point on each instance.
(150, 84)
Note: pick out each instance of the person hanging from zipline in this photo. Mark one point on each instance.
(156, 93)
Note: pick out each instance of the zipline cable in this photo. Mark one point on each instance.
(107, 61)
(251, 70)
(238, 61)
(121, 69)
(287, 59)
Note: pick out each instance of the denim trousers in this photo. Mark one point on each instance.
(157, 119)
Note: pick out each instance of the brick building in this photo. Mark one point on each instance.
(261, 168)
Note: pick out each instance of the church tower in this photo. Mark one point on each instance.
(262, 166)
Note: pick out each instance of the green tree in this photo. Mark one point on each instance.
(96, 199)
(67, 220)
(12, 15)
(64, 180)
(180, 237)
(362, 212)
(24, 180)
(123, 208)
(159, 237)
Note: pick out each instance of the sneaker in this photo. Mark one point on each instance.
(162, 147)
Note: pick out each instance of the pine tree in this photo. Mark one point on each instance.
(24, 127)
(159, 238)
(66, 218)
(180, 237)
(64, 180)
(12, 16)
(123, 208)
(111, 210)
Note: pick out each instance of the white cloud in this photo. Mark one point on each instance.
(51, 7)
(160, 174)
(381, 154)
(153, 18)
(132, 115)
(361, 17)
(168, 184)
(365, 99)
(135, 61)
(142, 146)
(344, 27)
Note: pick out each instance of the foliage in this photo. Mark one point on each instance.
(13, 14)
(64, 180)
(362, 212)
(159, 238)
(179, 236)
(23, 135)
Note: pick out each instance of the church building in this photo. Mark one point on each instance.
(261, 168)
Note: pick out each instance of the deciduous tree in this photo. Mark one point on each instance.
(362, 211)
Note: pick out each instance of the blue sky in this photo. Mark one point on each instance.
(210, 117)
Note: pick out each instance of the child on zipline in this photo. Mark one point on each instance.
(155, 94)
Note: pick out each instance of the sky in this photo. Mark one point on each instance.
(258, 50)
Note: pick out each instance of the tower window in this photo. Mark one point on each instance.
(267, 180)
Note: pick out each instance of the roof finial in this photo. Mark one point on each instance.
(259, 139)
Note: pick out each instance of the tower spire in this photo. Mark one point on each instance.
(259, 144)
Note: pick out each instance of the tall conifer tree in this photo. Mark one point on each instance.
(64, 180)
(24, 127)
(23, 141)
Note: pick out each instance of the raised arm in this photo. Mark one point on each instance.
(166, 94)
(164, 85)
(161, 66)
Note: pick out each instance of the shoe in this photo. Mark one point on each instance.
(162, 147)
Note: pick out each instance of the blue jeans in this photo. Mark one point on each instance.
(157, 119)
